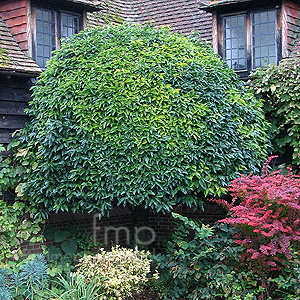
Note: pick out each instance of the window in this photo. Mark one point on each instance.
(263, 38)
(235, 49)
(261, 48)
(49, 31)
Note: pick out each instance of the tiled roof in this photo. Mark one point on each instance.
(208, 5)
(110, 11)
(181, 15)
(90, 3)
(12, 58)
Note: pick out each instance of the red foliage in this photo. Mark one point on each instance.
(267, 216)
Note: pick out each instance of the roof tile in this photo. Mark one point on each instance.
(181, 15)
(12, 58)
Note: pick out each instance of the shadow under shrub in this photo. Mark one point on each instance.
(138, 116)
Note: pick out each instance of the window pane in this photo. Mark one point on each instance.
(69, 25)
(264, 17)
(45, 35)
(235, 41)
(263, 38)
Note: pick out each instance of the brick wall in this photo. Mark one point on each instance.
(119, 227)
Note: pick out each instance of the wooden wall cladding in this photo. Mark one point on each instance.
(14, 98)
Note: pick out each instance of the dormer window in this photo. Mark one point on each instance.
(249, 39)
(50, 27)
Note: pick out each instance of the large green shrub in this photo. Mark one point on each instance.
(133, 115)
(279, 86)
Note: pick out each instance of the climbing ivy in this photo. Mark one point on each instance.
(279, 87)
(17, 220)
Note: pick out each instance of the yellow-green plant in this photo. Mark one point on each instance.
(118, 272)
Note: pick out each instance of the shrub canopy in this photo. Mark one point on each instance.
(133, 115)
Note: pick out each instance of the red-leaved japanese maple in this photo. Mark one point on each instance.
(266, 212)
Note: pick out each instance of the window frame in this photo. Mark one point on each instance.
(58, 25)
(249, 36)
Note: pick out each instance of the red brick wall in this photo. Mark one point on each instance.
(162, 224)
(85, 222)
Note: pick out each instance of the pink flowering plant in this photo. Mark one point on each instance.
(267, 217)
(265, 210)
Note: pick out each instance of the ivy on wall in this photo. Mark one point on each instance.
(279, 86)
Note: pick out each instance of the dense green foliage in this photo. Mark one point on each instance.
(203, 266)
(16, 227)
(66, 247)
(279, 87)
(133, 115)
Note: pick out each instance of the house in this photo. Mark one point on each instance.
(248, 33)
(29, 31)
(17, 75)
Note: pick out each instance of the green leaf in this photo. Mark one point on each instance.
(60, 235)
(69, 247)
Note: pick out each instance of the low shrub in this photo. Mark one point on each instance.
(29, 282)
(251, 254)
(200, 264)
(118, 273)
(75, 288)
(267, 216)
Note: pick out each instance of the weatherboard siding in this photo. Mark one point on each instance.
(14, 98)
